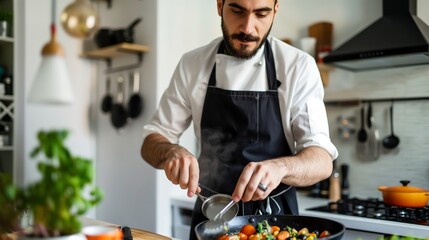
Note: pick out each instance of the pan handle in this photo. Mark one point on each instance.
(201, 196)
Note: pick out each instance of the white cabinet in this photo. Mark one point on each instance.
(7, 99)
(181, 217)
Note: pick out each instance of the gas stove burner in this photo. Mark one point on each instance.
(375, 208)
(378, 214)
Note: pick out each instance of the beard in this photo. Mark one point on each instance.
(242, 51)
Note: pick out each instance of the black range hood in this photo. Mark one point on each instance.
(398, 38)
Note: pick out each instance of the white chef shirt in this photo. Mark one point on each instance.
(300, 93)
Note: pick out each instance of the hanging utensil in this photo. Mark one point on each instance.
(392, 141)
(373, 136)
(107, 102)
(362, 135)
(362, 144)
(135, 103)
(118, 116)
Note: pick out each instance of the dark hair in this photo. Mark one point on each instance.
(223, 2)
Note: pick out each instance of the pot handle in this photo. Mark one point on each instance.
(201, 196)
(404, 182)
(134, 23)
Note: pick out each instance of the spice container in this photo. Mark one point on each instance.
(334, 186)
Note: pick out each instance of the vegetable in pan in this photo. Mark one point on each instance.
(263, 231)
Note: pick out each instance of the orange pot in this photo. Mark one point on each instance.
(405, 196)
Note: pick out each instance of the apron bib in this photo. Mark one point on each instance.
(238, 127)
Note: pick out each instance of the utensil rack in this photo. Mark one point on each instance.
(354, 102)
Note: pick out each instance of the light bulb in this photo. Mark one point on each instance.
(80, 19)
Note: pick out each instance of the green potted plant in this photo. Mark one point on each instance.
(9, 212)
(63, 193)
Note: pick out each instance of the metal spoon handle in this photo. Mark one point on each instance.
(391, 119)
(201, 196)
(224, 210)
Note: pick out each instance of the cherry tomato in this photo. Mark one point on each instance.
(275, 229)
(222, 237)
(231, 237)
(243, 236)
(248, 229)
(257, 236)
(283, 235)
(324, 234)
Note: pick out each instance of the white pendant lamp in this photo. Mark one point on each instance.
(52, 84)
(80, 19)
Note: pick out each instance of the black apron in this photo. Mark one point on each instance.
(238, 127)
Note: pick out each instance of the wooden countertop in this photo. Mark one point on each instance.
(145, 235)
(137, 234)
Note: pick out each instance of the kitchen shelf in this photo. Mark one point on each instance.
(6, 148)
(7, 109)
(6, 98)
(110, 52)
(6, 40)
(115, 51)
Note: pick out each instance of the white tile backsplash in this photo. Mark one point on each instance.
(410, 160)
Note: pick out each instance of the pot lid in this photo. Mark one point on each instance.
(403, 188)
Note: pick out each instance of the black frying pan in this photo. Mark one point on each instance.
(298, 222)
(118, 115)
(107, 102)
(135, 103)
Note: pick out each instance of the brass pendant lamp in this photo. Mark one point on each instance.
(80, 19)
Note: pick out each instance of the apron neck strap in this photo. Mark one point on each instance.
(273, 83)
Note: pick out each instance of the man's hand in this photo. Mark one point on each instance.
(182, 169)
(179, 165)
(268, 173)
(311, 165)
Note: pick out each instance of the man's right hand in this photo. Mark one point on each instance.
(179, 165)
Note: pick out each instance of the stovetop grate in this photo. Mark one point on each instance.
(376, 209)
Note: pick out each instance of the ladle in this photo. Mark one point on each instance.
(362, 135)
(391, 141)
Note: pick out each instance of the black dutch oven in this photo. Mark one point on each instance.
(298, 222)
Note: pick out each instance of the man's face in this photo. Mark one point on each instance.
(246, 24)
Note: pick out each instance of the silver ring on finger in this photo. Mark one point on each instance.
(262, 187)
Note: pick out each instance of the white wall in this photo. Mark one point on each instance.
(33, 33)
(128, 182)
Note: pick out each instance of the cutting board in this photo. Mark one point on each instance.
(322, 31)
(139, 234)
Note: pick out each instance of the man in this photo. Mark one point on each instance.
(258, 112)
